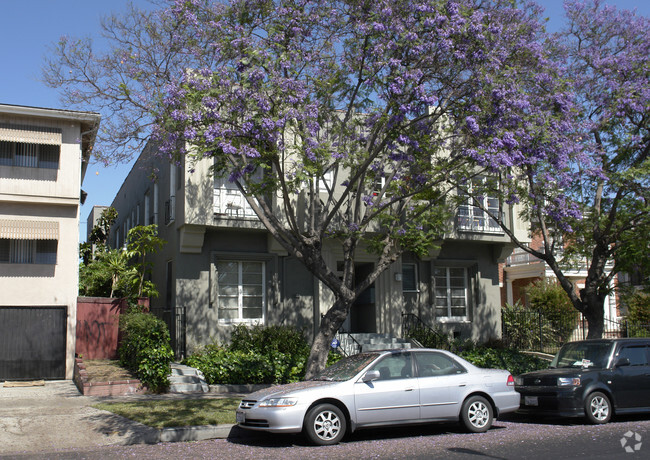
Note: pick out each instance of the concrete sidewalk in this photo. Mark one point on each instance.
(57, 417)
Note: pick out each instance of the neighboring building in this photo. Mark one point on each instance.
(93, 218)
(43, 158)
(521, 269)
(221, 267)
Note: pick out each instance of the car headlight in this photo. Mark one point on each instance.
(279, 402)
(568, 381)
(519, 381)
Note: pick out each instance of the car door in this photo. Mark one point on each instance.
(631, 382)
(393, 397)
(442, 382)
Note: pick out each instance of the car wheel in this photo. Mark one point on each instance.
(325, 425)
(476, 414)
(598, 408)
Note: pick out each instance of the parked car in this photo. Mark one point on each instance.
(381, 388)
(591, 378)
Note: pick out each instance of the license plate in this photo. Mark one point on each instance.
(531, 401)
(241, 417)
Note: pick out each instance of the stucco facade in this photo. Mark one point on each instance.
(213, 236)
(43, 155)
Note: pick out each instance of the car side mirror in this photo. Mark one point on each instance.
(623, 362)
(370, 376)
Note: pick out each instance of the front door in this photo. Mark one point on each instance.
(362, 317)
(393, 397)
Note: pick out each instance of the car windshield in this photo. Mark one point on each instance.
(583, 354)
(346, 368)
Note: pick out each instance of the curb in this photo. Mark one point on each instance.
(187, 433)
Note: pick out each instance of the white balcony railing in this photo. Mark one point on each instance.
(231, 203)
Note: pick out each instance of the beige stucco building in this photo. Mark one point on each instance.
(221, 267)
(43, 158)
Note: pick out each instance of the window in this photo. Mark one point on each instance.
(29, 155)
(409, 277)
(241, 290)
(451, 292)
(636, 355)
(229, 201)
(28, 251)
(435, 364)
(396, 366)
(472, 218)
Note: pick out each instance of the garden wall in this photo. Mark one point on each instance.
(98, 326)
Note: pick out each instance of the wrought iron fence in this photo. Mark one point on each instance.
(532, 330)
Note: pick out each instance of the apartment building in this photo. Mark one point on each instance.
(221, 267)
(43, 158)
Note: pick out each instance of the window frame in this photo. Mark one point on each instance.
(29, 251)
(240, 294)
(42, 154)
(466, 286)
(471, 213)
(415, 277)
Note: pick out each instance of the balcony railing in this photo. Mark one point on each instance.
(521, 257)
(231, 203)
(477, 224)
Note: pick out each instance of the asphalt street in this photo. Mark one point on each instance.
(56, 422)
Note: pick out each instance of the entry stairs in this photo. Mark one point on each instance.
(352, 343)
(185, 379)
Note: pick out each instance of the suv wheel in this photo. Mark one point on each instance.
(598, 408)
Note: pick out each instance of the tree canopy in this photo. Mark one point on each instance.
(354, 123)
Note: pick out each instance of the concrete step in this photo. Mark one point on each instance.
(385, 346)
(370, 341)
(185, 379)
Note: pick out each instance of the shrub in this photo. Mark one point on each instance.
(638, 313)
(522, 329)
(547, 297)
(145, 348)
(503, 358)
(274, 354)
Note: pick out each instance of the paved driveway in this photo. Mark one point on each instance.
(56, 416)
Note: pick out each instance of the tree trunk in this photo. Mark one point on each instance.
(330, 323)
(594, 312)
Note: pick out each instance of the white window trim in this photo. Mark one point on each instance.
(240, 320)
(489, 224)
(448, 318)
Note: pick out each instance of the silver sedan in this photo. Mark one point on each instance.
(383, 388)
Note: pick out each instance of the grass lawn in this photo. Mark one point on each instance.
(176, 413)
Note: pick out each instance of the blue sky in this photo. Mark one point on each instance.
(30, 26)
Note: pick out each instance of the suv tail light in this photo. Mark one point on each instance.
(511, 380)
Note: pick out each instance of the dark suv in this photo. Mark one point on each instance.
(592, 378)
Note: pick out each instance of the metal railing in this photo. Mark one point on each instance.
(414, 328)
(348, 345)
(533, 331)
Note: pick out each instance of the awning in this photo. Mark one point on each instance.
(30, 134)
(29, 230)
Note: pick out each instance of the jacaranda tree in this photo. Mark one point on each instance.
(347, 123)
(599, 215)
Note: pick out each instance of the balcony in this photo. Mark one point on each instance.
(521, 257)
(231, 203)
(471, 220)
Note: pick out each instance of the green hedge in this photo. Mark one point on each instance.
(506, 358)
(274, 354)
(145, 348)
